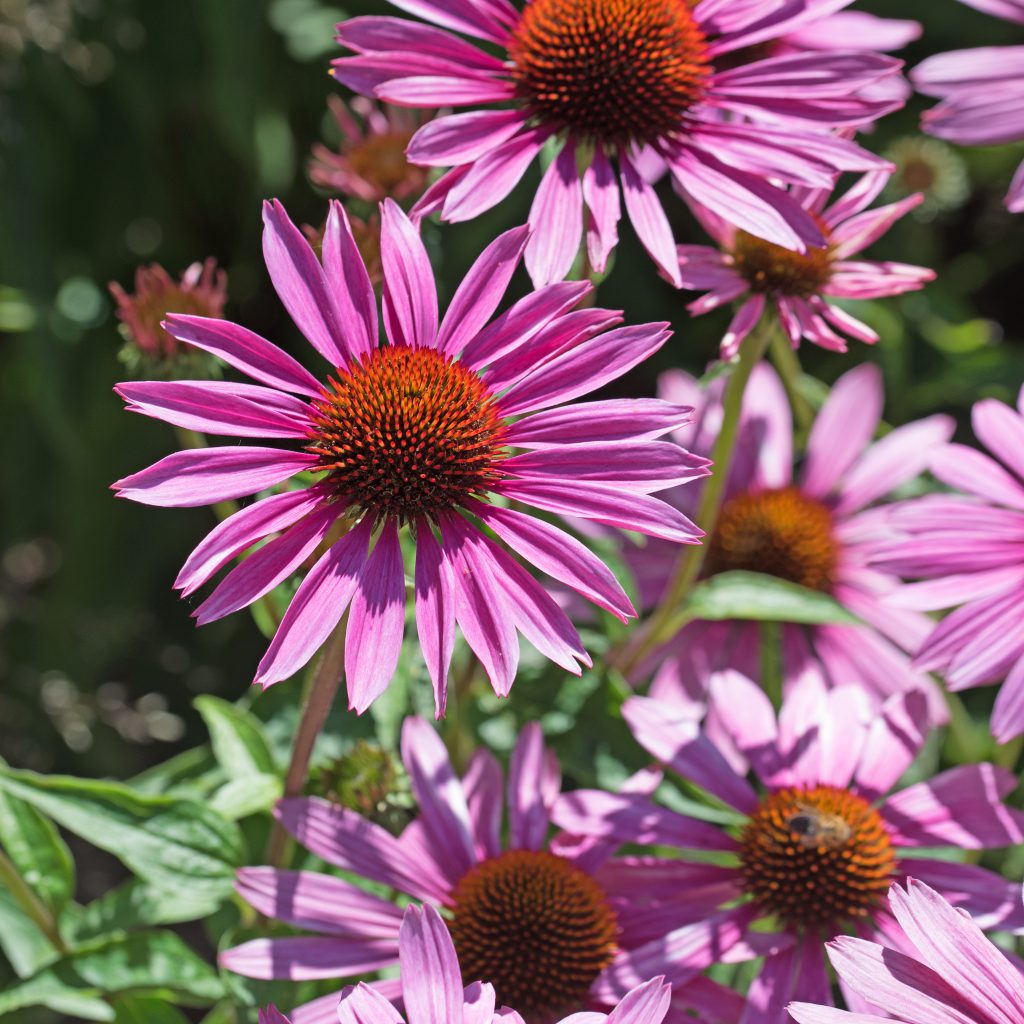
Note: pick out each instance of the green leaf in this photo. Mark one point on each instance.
(174, 844)
(185, 774)
(146, 1010)
(134, 904)
(241, 797)
(37, 851)
(237, 736)
(22, 942)
(754, 595)
(156, 962)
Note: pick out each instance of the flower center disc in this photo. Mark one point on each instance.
(782, 532)
(770, 268)
(613, 71)
(408, 433)
(817, 856)
(536, 927)
(380, 160)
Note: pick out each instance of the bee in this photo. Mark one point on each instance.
(814, 828)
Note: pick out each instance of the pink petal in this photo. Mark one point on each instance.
(648, 218)
(349, 284)
(895, 737)
(559, 555)
(585, 368)
(299, 281)
(601, 194)
(268, 566)
(1001, 429)
(302, 958)
(442, 90)
(317, 606)
(1008, 713)
(483, 787)
(466, 16)
(617, 419)
(534, 783)
(245, 351)
(435, 611)
(462, 138)
(843, 429)
(608, 505)
(376, 622)
(209, 475)
(431, 979)
(481, 290)
(479, 606)
(410, 297)
(240, 531)
(490, 179)
(442, 801)
(556, 220)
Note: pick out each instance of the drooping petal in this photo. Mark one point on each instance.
(601, 194)
(431, 979)
(648, 218)
(317, 606)
(375, 622)
(435, 611)
(556, 221)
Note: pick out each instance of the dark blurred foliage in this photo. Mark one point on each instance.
(139, 130)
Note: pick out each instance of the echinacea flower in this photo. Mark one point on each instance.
(528, 913)
(797, 286)
(370, 163)
(202, 291)
(945, 970)
(814, 842)
(413, 437)
(968, 553)
(599, 83)
(981, 92)
(817, 528)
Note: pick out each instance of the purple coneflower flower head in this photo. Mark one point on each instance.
(945, 970)
(817, 527)
(370, 163)
(603, 82)
(817, 837)
(528, 913)
(982, 93)
(798, 286)
(415, 436)
(202, 290)
(968, 553)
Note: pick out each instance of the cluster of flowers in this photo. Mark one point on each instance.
(449, 446)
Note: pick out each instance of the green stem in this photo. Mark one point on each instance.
(34, 908)
(689, 565)
(321, 689)
(787, 362)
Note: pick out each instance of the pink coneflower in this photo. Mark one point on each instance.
(528, 915)
(797, 286)
(370, 163)
(816, 842)
(982, 93)
(202, 290)
(603, 81)
(969, 552)
(945, 971)
(415, 435)
(817, 528)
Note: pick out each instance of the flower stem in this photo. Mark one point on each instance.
(687, 570)
(318, 697)
(34, 908)
(787, 362)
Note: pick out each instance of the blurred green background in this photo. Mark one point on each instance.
(141, 130)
